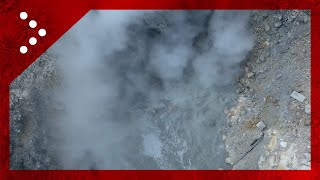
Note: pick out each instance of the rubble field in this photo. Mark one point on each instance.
(269, 126)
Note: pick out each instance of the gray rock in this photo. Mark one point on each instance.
(239, 90)
(279, 76)
(266, 27)
(305, 19)
(261, 125)
(298, 96)
(307, 109)
(294, 14)
(228, 160)
(277, 24)
(283, 144)
(250, 74)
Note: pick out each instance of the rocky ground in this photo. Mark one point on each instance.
(268, 127)
(29, 147)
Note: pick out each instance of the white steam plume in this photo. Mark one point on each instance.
(139, 87)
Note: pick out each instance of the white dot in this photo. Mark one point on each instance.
(23, 49)
(42, 32)
(23, 15)
(33, 41)
(33, 24)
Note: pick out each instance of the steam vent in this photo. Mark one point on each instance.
(168, 90)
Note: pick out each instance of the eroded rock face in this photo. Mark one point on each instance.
(281, 63)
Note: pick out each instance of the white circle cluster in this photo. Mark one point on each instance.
(33, 41)
(42, 32)
(23, 15)
(23, 49)
(33, 24)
